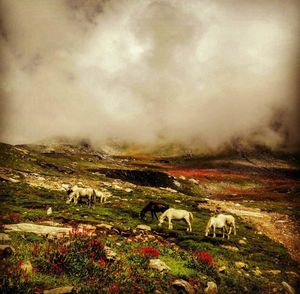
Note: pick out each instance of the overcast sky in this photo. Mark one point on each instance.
(197, 72)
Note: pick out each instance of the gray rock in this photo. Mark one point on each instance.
(104, 226)
(288, 289)
(241, 265)
(229, 247)
(180, 285)
(144, 227)
(211, 288)
(159, 265)
(110, 254)
(60, 290)
(177, 184)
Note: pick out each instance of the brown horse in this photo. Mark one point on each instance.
(153, 207)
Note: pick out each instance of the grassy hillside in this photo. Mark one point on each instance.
(31, 179)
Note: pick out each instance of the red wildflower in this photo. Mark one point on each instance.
(20, 263)
(102, 262)
(114, 288)
(204, 257)
(149, 252)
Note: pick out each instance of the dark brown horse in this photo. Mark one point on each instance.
(153, 207)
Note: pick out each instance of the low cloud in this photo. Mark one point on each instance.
(198, 73)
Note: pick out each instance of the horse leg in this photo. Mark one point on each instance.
(170, 224)
(152, 214)
(189, 229)
(214, 234)
(155, 215)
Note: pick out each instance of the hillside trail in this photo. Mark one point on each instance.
(278, 227)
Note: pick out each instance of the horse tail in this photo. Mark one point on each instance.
(191, 216)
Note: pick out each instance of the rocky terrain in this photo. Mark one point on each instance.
(48, 246)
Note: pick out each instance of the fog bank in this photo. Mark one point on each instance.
(198, 73)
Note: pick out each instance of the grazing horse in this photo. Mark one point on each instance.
(154, 207)
(177, 214)
(101, 196)
(79, 193)
(221, 221)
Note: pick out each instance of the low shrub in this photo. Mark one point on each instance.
(203, 262)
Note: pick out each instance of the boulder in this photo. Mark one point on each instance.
(60, 290)
(144, 227)
(193, 181)
(222, 269)
(288, 289)
(211, 288)
(273, 272)
(177, 184)
(242, 242)
(104, 226)
(241, 265)
(229, 247)
(158, 264)
(183, 286)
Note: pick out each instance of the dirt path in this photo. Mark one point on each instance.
(278, 227)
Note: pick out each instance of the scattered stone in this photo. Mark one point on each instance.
(171, 190)
(6, 250)
(211, 288)
(288, 288)
(241, 265)
(158, 264)
(242, 242)
(144, 227)
(49, 211)
(27, 267)
(273, 272)
(104, 226)
(193, 181)
(182, 285)
(293, 274)
(182, 178)
(110, 254)
(177, 184)
(178, 201)
(116, 187)
(128, 190)
(222, 269)
(60, 290)
(229, 247)
(4, 237)
(257, 271)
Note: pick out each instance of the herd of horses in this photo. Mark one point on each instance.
(221, 221)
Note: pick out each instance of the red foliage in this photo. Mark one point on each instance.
(14, 217)
(114, 288)
(148, 252)
(20, 263)
(204, 257)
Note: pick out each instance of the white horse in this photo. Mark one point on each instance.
(177, 214)
(101, 195)
(221, 221)
(78, 193)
